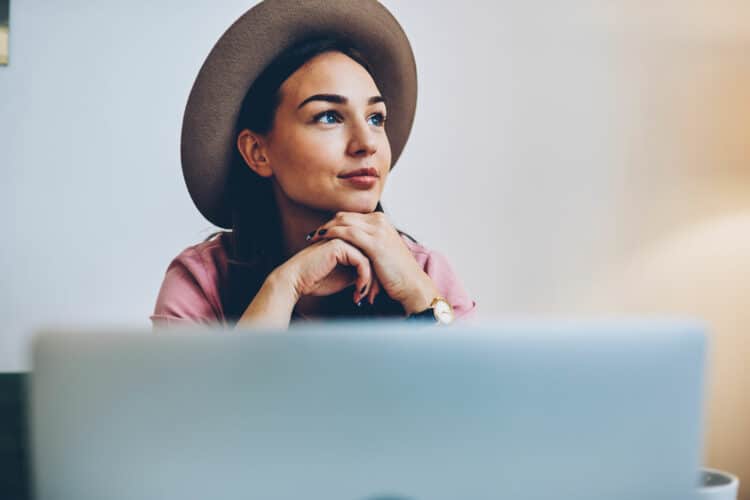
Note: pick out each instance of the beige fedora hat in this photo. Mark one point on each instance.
(244, 51)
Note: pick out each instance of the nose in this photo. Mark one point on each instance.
(363, 140)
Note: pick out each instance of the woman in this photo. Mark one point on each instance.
(285, 142)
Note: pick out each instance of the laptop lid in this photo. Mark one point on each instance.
(366, 411)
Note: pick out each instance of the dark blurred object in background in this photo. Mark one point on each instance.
(14, 476)
(4, 30)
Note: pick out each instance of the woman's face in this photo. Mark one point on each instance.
(328, 149)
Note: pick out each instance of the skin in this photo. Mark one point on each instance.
(310, 145)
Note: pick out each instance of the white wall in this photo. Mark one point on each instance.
(569, 157)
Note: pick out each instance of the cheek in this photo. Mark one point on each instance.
(320, 151)
(384, 150)
(306, 160)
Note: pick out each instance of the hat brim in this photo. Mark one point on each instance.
(244, 51)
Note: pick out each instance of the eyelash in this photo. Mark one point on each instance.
(317, 117)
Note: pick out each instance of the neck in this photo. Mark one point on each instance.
(296, 221)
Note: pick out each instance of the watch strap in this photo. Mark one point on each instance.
(426, 315)
(430, 314)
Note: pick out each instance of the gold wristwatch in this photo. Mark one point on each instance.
(439, 311)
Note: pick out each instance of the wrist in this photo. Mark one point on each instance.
(421, 297)
(272, 306)
(281, 284)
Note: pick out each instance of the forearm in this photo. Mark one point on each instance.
(272, 306)
(420, 296)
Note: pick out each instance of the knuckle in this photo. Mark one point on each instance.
(341, 245)
(333, 246)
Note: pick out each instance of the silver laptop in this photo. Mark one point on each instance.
(371, 411)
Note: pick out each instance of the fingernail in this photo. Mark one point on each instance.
(322, 232)
(309, 235)
(359, 304)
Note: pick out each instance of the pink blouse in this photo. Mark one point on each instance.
(190, 290)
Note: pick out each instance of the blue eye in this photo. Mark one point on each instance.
(380, 119)
(327, 114)
(331, 117)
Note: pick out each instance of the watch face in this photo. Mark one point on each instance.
(443, 312)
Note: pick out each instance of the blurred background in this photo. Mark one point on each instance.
(4, 9)
(570, 158)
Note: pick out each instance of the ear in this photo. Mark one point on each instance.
(253, 150)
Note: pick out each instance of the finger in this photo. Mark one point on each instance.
(354, 236)
(364, 275)
(370, 286)
(343, 219)
(351, 256)
(374, 290)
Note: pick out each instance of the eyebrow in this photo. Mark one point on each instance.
(338, 99)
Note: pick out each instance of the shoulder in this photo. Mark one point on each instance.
(439, 269)
(190, 290)
(205, 262)
(208, 257)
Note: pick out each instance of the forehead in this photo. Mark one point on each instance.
(330, 73)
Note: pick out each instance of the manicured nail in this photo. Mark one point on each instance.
(322, 232)
(359, 304)
(309, 235)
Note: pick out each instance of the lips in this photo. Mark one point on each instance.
(360, 172)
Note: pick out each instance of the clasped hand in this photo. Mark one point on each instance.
(371, 247)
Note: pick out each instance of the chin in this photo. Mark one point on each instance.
(362, 206)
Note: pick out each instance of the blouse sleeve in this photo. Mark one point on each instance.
(451, 288)
(182, 300)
